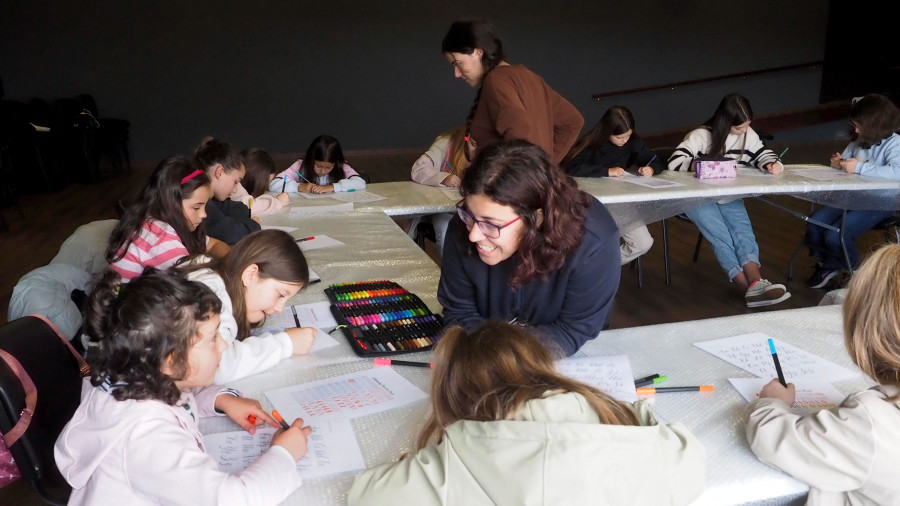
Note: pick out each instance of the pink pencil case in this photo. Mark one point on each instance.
(714, 167)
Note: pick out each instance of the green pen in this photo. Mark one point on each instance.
(654, 381)
(351, 190)
(783, 152)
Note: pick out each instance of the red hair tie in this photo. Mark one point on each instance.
(190, 176)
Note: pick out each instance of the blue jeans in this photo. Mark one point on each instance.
(825, 245)
(727, 228)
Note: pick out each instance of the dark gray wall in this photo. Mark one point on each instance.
(276, 74)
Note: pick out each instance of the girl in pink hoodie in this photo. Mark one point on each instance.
(134, 438)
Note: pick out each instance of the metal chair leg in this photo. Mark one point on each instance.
(665, 230)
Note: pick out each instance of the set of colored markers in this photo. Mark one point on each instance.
(383, 318)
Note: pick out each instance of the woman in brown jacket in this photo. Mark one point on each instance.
(512, 101)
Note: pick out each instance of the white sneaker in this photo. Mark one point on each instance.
(764, 293)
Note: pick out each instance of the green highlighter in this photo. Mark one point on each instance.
(654, 381)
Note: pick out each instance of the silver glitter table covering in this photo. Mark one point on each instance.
(733, 473)
(632, 205)
(377, 249)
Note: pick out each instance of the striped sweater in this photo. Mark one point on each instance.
(748, 149)
(157, 245)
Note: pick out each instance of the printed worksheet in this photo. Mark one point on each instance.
(285, 320)
(348, 396)
(345, 207)
(357, 196)
(820, 173)
(610, 374)
(648, 182)
(319, 242)
(452, 194)
(753, 172)
(812, 395)
(332, 449)
(315, 196)
(751, 353)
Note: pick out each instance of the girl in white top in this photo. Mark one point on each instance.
(442, 165)
(255, 279)
(849, 454)
(323, 170)
(506, 428)
(726, 224)
(134, 439)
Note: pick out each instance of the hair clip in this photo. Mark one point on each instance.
(116, 290)
(190, 176)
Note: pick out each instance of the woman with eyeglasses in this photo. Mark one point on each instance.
(529, 247)
(512, 102)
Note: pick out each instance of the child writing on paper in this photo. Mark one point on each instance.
(875, 152)
(725, 224)
(134, 439)
(323, 170)
(606, 151)
(229, 220)
(251, 191)
(849, 454)
(442, 165)
(505, 428)
(257, 277)
(165, 222)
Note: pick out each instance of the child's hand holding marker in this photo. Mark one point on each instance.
(292, 437)
(245, 412)
(774, 389)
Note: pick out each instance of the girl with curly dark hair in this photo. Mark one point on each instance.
(155, 347)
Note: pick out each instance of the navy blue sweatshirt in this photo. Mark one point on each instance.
(228, 221)
(596, 161)
(571, 306)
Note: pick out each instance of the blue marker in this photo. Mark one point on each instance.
(777, 363)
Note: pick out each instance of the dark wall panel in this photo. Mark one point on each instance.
(276, 74)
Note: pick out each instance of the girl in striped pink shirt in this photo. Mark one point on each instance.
(165, 222)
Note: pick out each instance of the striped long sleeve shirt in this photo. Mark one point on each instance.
(748, 149)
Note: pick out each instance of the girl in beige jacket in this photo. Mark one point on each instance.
(507, 429)
(850, 454)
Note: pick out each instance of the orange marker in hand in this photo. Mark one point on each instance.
(277, 416)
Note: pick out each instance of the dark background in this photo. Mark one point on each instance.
(276, 74)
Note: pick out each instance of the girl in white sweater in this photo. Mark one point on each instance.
(257, 277)
(849, 454)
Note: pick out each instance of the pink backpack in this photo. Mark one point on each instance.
(9, 471)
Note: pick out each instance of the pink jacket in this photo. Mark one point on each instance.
(289, 179)
(264, 204)
(147, 452)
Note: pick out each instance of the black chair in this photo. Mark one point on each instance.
(57, 373)
(112, 135)
(425, 231)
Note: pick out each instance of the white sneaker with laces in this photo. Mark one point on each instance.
(764, 293)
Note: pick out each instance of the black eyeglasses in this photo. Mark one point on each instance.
(487, 228)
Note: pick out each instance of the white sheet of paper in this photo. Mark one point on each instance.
(316, 314)
(610, 374)
(753, 172)
(812, 395)
(285, 320)
(348, 396)
(357, 196)
(647, 182)
(319, 242)
(346, 207)
(751, 353)
(323, 341)
(277, 227)
(332, 449)
(820, 173)
(452, 194)
(315, 196)
(313, 277)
